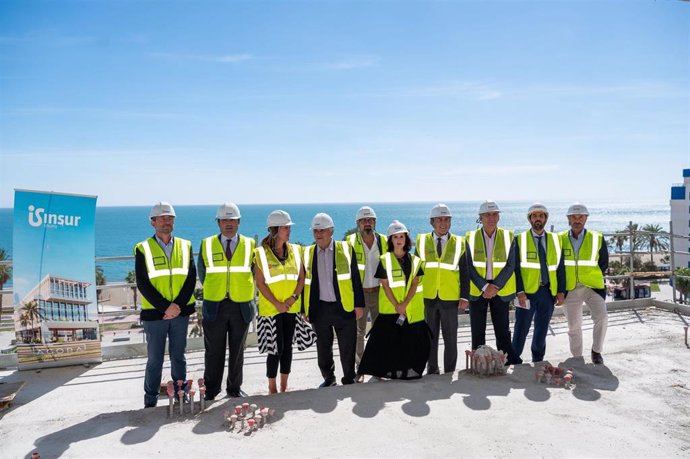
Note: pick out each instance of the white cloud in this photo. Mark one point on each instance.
(221, 59)
(354, 62)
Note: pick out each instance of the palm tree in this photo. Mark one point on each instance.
(655, 239)
(131, 278)
(100, 280)
(5, 272)
(30, 309)
(618, 240)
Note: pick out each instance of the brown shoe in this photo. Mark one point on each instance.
(597, 359)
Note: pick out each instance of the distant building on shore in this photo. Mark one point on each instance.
(680, 219)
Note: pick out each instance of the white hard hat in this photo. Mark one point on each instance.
(365, 212)
(396, 228)
(321, 221)
(488, 206)
(440, 210)
(537, 207)
(228, 211)
(278, 218)
(161, 209)
(577, 209)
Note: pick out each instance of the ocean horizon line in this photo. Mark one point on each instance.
(373, 203)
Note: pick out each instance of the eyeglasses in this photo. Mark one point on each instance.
(368, 220)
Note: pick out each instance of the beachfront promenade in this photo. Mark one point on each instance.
(637, 404)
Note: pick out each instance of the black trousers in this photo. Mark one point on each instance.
(332, 317)
(285, 331)
(443, 315)
(499, 318)
(229, 330)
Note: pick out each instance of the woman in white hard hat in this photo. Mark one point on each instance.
(399, 343)
(280, 279)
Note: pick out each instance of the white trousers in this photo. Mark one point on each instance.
(573, 312)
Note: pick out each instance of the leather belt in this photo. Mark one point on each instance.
(370, 289)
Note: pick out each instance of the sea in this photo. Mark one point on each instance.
(118, 229)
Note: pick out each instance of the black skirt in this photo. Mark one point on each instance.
(396, 351)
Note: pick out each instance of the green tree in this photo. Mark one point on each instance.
(683, 283)
(32, 313)
(100, 280)
(5, 272)
(348, 232)
(656, 239)
(131, 278)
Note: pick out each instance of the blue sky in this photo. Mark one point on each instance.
(199, 102)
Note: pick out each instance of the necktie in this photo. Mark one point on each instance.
(439, 249)
(542, 261)
(228, 251)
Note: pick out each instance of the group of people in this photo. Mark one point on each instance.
(332, 288)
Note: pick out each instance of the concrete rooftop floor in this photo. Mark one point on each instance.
(636, 405)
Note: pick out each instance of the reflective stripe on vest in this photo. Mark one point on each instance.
(441, 276)
(169, 275)
(355, 241)
(221, 267)
(225, 277)
(531, 271)
(401, 288)
(343, 261)
(502, 236)
(150, 267)
(585, 271)
(496, 264)
(282, 284)
(268, 279)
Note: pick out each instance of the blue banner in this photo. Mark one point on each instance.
(53, 260)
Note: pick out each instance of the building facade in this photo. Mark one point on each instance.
(56, 310)
(680, 219)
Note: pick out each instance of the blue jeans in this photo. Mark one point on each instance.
(175, 330)
(541, 309)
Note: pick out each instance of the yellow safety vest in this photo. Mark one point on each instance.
(441, 274)
(280, 278)
(228, 278)
(355, 240)
(530, 267)
(343, 258)
(167, 276)
(583, 267)
(400, 288)
(502, 242)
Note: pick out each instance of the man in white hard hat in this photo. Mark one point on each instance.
(166, 277)
(368, 246)
(446, 285)
(225, 270)
(540, 280)
(333, 299)
(586, 259)
(491, 262)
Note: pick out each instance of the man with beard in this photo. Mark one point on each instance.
(368, 246)
(540, 280)
(586, 259)
(166, 277)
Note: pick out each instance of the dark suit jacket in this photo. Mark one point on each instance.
(210, 308)
(314, 289)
